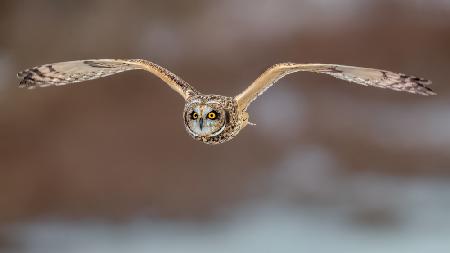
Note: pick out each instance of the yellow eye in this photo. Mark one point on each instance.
(194, 115)
(212, 115)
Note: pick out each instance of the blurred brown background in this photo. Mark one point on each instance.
(115, 151)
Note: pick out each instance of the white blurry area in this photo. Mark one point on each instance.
(309, 207)
(411, 217)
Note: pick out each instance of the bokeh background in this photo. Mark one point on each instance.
(107, 166)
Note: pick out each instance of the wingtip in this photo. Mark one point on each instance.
(420, 85)
(26, 79)
(425, 89)
(431, 93)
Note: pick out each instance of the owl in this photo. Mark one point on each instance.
(215, 119)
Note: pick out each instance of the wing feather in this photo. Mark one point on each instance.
(79, 71)
(364, 76)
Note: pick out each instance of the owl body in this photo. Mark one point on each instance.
(214, 119)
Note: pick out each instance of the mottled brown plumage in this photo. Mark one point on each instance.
(215, 119)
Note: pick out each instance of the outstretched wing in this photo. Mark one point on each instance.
(364, 76)
(78, 71)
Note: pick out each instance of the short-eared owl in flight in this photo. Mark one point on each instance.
(215, 119)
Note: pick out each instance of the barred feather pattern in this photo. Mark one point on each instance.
(69, 72)
(84, 70)
(364, 76)
(381, 79)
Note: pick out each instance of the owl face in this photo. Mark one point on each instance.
(212, 119)
(205, 119)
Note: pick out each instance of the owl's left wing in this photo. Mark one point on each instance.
(62, 73)
(359, 75)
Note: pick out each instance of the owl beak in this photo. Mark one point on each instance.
(201, 123)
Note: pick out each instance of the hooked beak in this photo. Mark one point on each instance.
(201, 123)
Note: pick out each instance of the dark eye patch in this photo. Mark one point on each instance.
(215, 113)
(194, 115)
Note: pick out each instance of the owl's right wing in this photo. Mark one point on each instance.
(364, 76)
(78, 71)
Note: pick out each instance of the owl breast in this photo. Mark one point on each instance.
(212, 119)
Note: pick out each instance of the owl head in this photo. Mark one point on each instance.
(209, 118)
(205, 118)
